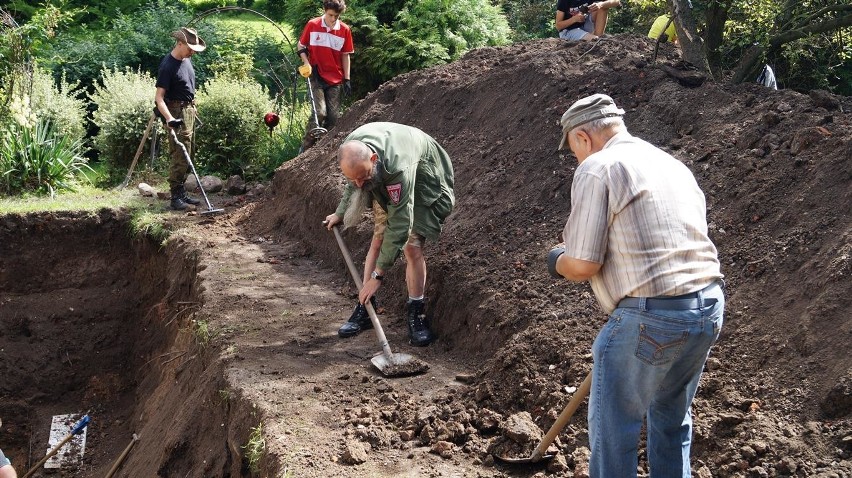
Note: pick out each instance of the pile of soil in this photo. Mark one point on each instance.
(775, 168)
(514, 344)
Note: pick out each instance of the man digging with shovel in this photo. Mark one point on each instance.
(408, 177)
(638, 233)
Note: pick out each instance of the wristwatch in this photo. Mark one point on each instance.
(377, 276)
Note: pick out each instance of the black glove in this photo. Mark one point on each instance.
(347, 87)
(176, 123)
(552, 257)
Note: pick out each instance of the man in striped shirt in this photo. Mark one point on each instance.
(638, 233)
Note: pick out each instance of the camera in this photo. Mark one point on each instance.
(584, 9)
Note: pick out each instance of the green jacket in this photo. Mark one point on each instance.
(415, 184)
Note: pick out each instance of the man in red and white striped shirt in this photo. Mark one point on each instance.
(324, 47)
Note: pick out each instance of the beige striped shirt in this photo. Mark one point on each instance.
(640, 213)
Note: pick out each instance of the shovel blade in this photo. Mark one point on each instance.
(526, 459)
(399, 365)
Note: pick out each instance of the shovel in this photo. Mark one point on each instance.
(78, 429)
(389, 363)
(210, 209)
(558, 425)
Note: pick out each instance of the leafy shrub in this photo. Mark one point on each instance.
(125, 102)
(37, 159)
(233, 138)
(425, 33)
(59, 104)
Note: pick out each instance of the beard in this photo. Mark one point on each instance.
(361, 199)
(358, 203)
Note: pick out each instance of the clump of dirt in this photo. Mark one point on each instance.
(775, 169)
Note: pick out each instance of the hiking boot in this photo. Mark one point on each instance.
(419, 334)
(178, 203)
(186, 197)
(358, 321)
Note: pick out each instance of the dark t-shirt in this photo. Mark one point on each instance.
(177, 77)
(566, 6)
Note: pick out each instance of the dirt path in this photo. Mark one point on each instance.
(276, 313)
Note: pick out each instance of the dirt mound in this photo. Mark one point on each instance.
(774, 165)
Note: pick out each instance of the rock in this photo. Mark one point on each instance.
(713, 363)
(407, 435)
(748, 453)
(581, 462)
(558, 464)
(165, 196)
(211, 184)
(354, 453)
(521, 429)
(443, 448)
(146, 190)
(838, 402)
(758, 471)
(487, 421)
(190, 184)
(235, 185)
(703, 472)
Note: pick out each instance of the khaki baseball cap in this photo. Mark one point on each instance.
(587, 109)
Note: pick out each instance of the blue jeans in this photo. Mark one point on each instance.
(648, 363)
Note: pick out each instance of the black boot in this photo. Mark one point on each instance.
(358, 321)
(187, 198)
(419, 334)
(178, 203)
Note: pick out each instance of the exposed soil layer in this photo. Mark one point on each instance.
(92, 321)
(777, 394)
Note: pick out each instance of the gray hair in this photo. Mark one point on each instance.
(598, 125)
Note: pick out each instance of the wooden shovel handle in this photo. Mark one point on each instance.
(383, 341)
(564, 417)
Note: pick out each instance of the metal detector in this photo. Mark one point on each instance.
(319, 131)
(210, 208)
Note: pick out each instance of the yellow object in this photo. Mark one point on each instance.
(305, 70)
(657, 28)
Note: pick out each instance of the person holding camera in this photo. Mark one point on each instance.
(579, 20)
(175, 104)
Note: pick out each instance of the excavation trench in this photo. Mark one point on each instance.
(95, 321)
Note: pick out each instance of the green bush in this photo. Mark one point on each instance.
(425, 33)
(39, 160)
(59, 104)
(233, 138)
(138, 39)
(125, 102)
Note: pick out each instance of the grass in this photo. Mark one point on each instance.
(146, 223)
(255, 447)
(86, 198)
(251, 25)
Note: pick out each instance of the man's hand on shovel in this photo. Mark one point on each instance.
(370, 288)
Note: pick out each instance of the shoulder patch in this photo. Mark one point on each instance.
(395, 192)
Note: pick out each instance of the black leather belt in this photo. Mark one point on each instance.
(179, 103)
(675, 302)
